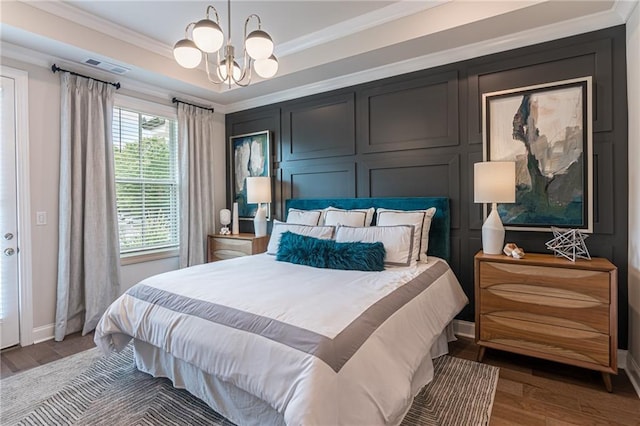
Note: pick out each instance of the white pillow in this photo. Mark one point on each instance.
(304, 217)
(397, 240)
(322, 232)
(421, 219)
(354, 217)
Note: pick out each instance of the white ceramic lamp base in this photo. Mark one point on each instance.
(493, 233)
(235, 226)
(260, 221)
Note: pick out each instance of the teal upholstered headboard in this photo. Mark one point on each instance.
(440, 224)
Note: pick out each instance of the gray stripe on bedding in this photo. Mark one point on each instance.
(334, 352)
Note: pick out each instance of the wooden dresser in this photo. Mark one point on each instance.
(220, 247)
(549, 307)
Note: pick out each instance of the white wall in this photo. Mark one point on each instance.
(633, 90)
(44, 146)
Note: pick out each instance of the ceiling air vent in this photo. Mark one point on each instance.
(107, 66)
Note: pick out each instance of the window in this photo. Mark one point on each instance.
(145, 156)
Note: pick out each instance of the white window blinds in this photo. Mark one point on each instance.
(145, 154)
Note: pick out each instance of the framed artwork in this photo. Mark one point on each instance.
(547, 130)
(250, 156)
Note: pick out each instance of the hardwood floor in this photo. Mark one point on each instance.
(530, 391)
(16, 359)
(538, 392)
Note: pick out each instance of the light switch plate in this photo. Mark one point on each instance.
(41, 218)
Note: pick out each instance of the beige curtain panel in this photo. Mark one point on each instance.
(89, 253)
(195, 154)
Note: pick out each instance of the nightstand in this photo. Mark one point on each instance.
(220, 247)
(549, 307)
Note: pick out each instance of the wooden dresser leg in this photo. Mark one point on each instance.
(606, 377)
(481, 353)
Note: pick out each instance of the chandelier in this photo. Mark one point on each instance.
(207, 38)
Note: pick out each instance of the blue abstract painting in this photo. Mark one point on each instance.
(251, 157)
(546, 130)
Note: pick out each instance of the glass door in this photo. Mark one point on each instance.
(9, 315)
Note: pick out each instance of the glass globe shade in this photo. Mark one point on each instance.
(187, 54)
(222, 70)
(266, 68)
(259, 45)
(208, 36)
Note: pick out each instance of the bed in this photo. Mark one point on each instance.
(264, 341)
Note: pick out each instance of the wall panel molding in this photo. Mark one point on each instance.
(326, 179)
(319, 128)
(603, 186)
(411, 114)
(476, 210)
(592, 58)
(412, 175)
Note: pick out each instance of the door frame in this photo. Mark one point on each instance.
(21, 79)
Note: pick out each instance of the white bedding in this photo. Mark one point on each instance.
(320, 346)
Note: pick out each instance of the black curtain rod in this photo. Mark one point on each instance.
(178, 101)
(55, 68)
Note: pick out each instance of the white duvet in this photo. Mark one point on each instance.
(322, 347)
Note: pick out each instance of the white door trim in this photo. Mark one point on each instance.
(21, 79)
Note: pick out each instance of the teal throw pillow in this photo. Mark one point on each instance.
(310, 251)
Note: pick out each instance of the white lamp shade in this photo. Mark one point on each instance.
(266, 68)
(208, 36)
(494, 182)
(259, 45)
(187, 54)
(258, 189)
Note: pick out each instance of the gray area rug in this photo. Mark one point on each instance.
(86, 389)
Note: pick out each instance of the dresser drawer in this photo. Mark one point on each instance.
(221, 247)
(549, 307)
(545, 340)
(237, 247)
(569, 312)
(227, 254)
(564, 283)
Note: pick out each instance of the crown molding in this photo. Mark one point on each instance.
(500, 44)
(129, 87)
(352, 26)
(624, 8)
(346, 28)
(618, 14)
(72, 13)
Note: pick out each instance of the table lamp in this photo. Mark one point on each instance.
(494, 182)
(259, 191)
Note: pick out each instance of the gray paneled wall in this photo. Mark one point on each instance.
(419, 134)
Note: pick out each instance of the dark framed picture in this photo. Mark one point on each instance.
(547, 130)
(250, 156)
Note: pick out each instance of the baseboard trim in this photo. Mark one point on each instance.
(622, 358)
(464, 328)
(633, 373)
(43, 333)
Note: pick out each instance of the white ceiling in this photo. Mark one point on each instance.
(321, 45)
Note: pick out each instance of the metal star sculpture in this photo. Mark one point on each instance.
(569, 243)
